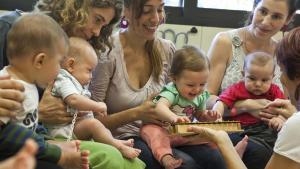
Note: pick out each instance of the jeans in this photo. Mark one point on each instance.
(46, 165)
(256, 156)
(193, 156)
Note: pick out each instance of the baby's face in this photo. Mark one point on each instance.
(190, 84)
(84, 67)
(258, 79)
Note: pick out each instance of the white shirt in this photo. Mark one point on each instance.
(288, 141)
(28, 116)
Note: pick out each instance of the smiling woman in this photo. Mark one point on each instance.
(137, 68)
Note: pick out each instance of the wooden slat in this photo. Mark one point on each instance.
(228, 126)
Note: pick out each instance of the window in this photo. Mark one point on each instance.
(241, 5)
(174, 3)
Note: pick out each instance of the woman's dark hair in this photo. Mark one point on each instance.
(288, 55)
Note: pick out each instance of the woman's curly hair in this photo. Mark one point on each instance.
(72, 14)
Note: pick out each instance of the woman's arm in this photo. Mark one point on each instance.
(279, 162)
(231, 158)
(52, 110)
(221, 139)
(145, 112)
(249, 105)
(219, 54)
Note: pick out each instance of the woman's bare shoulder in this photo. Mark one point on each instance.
(220, 46)
(222, 38)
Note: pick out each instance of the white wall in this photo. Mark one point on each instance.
(201, 39)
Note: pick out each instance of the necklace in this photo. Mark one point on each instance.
(267, 47)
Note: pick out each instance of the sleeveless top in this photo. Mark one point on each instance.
(233, 71)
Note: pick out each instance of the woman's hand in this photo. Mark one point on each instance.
(52, 110)
(11, 96)
(148, 114)
(278, 107)
(206, 134)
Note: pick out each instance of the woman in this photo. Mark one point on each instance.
(227, 54)
(286, 151)
(136, 68)
(269, 17)
(92, 20)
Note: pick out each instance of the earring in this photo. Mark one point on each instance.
(123, 23)
(162, 21)
(284, 28)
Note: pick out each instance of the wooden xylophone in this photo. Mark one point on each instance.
(228, 126)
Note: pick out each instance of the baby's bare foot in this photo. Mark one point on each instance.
(240, 147)
(169, 162)
(129, 142)
(74, 160)
(127, 151)
(71, 156)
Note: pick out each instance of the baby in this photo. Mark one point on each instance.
(258, 74)
(71, 86)
(182, 100)
(35, 46)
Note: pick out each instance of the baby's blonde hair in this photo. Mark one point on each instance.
(189, 58)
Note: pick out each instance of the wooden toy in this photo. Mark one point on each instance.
(228, 126)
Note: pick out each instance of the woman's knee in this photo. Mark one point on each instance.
(188, 161)
(103, 156)
(256, 156)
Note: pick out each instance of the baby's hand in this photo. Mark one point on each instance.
(181, 119)
(209, 115)
(214, 115)
(276, 123)
(101, 109)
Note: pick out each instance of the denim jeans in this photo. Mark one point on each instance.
(256, 156)
(194, 157)
(46, 165)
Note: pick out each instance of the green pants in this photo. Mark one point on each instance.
(103, 156)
